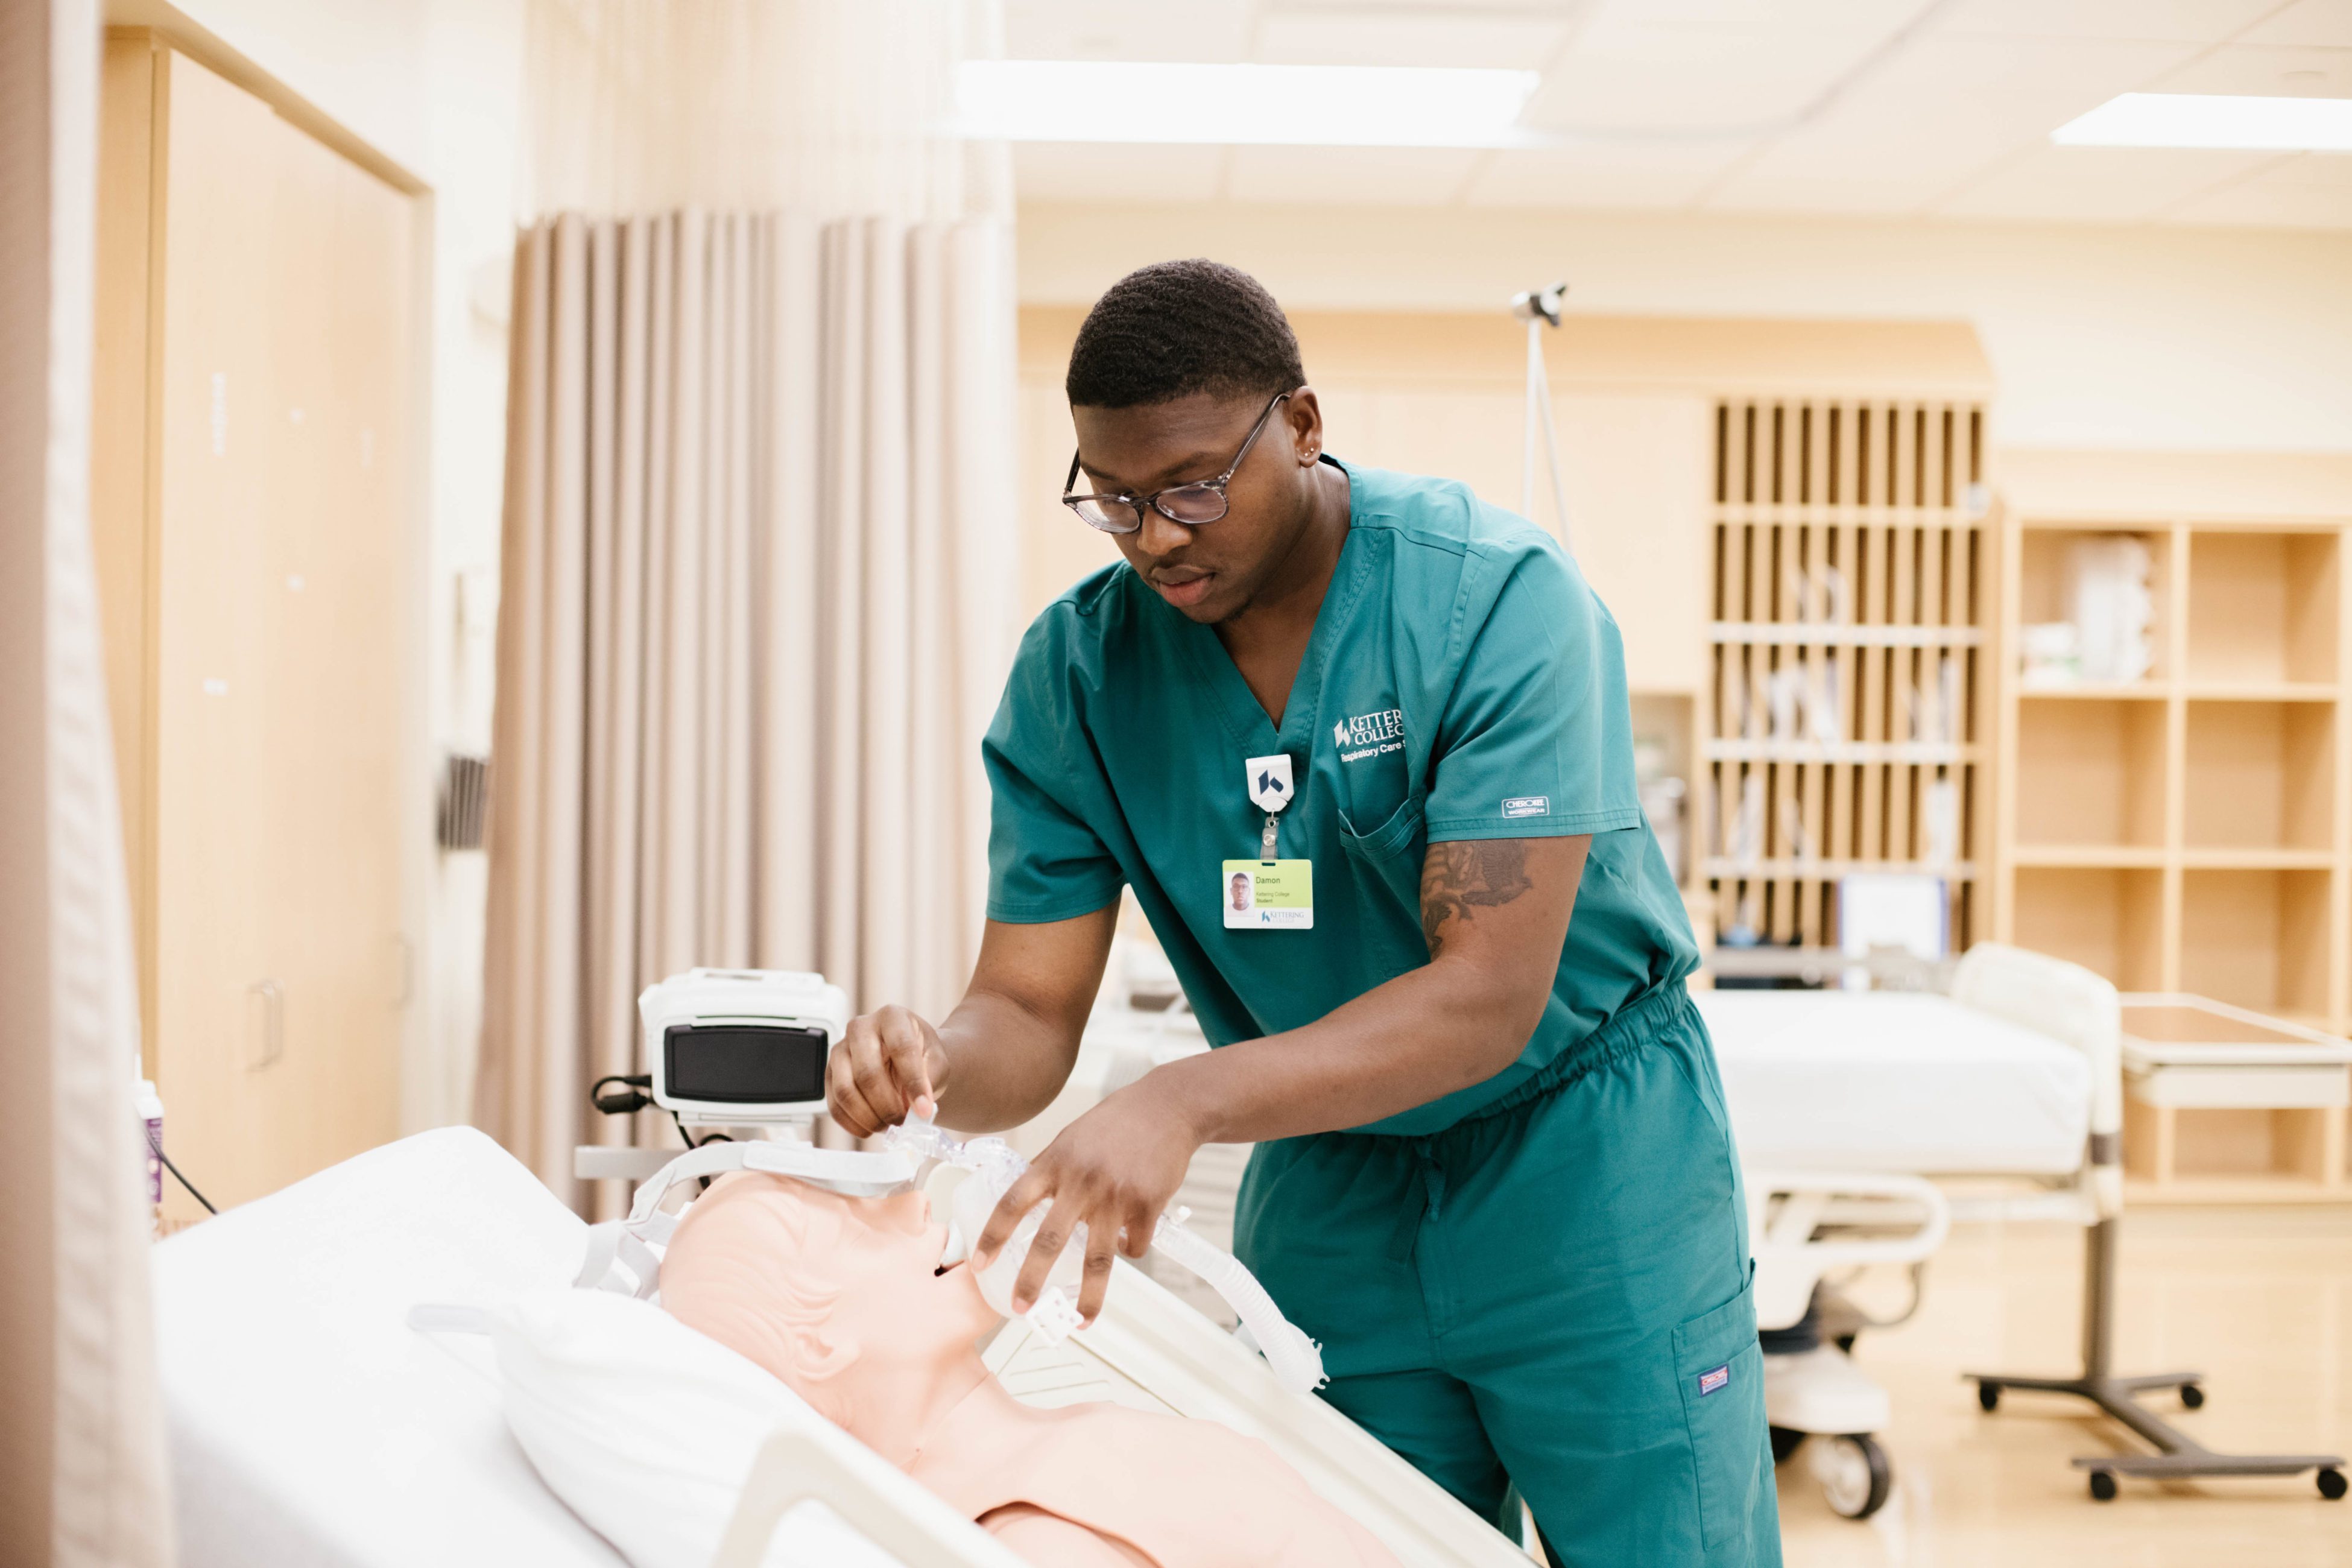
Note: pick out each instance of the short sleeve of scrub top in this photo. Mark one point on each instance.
(1533, 742)
(1043, 862)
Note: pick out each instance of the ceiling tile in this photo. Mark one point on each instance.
(2308, 190)
(1205, 30)
(1378, 38)
(1116, 172)
(2263, 70)
(1601, 174)
(1942, 110)
(1405, 176)
(2327, 22)
(2099, 184)
(2169, 21)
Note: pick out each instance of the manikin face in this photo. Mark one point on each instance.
(1212, 572)
(833, 1295)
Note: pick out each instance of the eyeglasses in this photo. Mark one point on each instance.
(1203, 500)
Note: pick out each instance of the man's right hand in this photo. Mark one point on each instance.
(891, 1062)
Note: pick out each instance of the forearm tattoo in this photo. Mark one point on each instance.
(1477, 874)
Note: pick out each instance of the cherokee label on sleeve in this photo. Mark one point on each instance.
(1527, 806)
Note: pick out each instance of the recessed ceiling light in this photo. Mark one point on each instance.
(1332, 106)
(2212, 120)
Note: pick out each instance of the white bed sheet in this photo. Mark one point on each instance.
(1864, 1081)
(308, 1424)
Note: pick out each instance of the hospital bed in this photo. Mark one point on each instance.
(2016, 1075)
(310, 1424)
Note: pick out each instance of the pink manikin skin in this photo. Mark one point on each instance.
(840, 1299)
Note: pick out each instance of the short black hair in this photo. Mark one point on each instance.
(1176, 328)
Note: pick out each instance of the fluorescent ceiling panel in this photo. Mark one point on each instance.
(2203, 119)
(1299, 106)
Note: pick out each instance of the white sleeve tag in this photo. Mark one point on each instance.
(1269, 782)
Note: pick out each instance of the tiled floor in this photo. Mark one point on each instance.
(2258, 1299)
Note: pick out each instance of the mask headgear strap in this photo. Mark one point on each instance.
(629, 1243)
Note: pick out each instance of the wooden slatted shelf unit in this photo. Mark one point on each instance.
(1851, 586)
(2192, 831)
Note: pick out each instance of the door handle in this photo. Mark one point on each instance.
(266, 1043)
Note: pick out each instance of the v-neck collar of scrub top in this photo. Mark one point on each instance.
(1244, 717)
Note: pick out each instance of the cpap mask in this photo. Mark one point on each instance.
(972, 1177)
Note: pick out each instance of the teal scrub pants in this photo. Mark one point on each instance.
(1552, 1294)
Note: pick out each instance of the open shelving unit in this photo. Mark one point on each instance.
(2191, 831)
(1849, 591)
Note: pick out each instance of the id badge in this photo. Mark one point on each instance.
(1269, 895)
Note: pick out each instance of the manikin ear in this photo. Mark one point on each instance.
(817, 1358)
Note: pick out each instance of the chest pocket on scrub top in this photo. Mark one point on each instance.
(1386, 861)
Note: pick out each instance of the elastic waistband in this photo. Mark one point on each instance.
(1632, 1026)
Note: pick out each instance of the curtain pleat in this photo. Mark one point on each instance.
(841, 692)
(755, 612)
(791, 365)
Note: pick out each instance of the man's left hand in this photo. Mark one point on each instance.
(1113, 1170)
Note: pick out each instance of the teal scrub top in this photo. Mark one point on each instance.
(1461, 682)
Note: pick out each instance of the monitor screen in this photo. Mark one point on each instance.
(744, 1064)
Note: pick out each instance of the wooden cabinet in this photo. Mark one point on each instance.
(2189, 828)
(252, 506)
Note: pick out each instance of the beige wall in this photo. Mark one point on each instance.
(2172, 337)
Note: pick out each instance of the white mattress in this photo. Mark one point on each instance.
(309, 1425)
(1849, 1080)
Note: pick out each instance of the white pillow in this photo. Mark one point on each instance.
(647, 1430)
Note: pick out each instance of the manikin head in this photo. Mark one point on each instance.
(1173, 368)
(842, 1299)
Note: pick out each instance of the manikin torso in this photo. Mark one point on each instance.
(839, 1297)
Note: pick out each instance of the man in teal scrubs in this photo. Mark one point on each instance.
(1358, 743)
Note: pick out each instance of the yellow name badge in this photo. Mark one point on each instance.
(1269, 895)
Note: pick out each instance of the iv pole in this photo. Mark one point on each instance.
(1539, 308)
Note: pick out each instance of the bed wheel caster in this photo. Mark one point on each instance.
(1989, 1395)
(1855, 1475)
(2103, 1486)
(2331, 1484)
(2191, 1397)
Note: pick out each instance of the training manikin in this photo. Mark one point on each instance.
(842, 1299)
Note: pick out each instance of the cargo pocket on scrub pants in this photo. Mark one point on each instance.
(1720, 1369)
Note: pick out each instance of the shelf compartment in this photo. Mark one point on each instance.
(2109, 920)
(2260, 776)
(2257, 939)
(2090, 773)
(2236, 1155)
(2262, 607)
(2042, 582)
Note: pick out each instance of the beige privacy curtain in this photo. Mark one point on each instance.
(756, 603)
(81, 1454)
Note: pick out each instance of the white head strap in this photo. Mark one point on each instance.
(620, 1252)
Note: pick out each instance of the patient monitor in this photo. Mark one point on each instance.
(741, 1046)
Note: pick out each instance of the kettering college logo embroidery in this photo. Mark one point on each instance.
(1370, 734)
